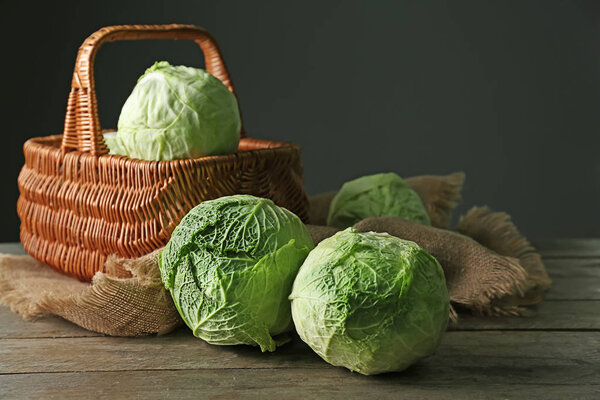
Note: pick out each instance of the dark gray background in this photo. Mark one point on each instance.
(507, 91)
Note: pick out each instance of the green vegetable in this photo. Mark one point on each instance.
(380, 195)
(177, 112)
(230, 265)
(114, 144)
(370, 302)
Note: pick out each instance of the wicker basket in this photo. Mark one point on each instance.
(79, 204)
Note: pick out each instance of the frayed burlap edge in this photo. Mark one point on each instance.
(496, 231)
(439, 194)
(132, 306)
(25, 283)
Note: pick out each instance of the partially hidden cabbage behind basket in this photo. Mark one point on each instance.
(379, 195)
(176, 112)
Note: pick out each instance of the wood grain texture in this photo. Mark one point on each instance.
(12, 326)
(495, 357)
(574, 279)
(550, 315)
(561, 315)
(568, 248)
(12, 248)
(552, 355)
(288, 384)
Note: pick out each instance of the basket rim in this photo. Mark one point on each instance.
(258, 147)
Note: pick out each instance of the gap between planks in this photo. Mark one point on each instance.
(550, 356)
(291, 385)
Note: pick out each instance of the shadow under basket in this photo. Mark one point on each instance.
(78, 204)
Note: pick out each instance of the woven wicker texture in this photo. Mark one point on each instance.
(78, 204)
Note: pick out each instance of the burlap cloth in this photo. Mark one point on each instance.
(490, 269)
(132, 306)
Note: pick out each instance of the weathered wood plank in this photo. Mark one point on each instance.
(549, 315)
(468, 364)
(12, 248)
(12, 326)
(290, 384)
(178, 350)
(574, 279)
(535, 357)
(568, 248)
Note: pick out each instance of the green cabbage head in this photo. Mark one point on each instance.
(230, 265)
(380, 195)
(177, 112)
(370, 302)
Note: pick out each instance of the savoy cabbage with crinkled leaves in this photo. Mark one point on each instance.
(230, 265)
(370, 302)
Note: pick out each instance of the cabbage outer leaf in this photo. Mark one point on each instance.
(380, 195)
(230, 266)
(177, 112)
(370, 302)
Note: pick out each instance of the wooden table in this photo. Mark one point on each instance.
(555, 354)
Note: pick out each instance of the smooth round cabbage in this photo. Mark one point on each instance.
(230, 265)
(380, 195)
(370, 302)
(177, 112)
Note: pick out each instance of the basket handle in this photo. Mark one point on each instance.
(82, 130)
